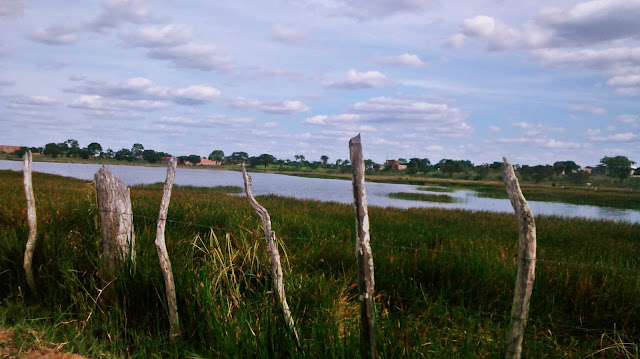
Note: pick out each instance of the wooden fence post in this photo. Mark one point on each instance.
(526, 263)
(163, 255)
(31, 220)
(274, 255)
(364, 256)
(116, 217)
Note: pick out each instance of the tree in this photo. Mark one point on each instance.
(618, 166)
(151, 156)
(237, 158)
(216, 155)
(565, 167)
(402, 161)
(324, 159)
(52, 149)
(266, 159)
(109, 153)
(21, 151)
(124, 155)
(338, 162)
(137, 150)
(418, 165)
(94, 148)
(541, 172)
(72, 147)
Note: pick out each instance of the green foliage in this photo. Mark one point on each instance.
(216, 155)
(20, 153)
(618, 166)
(427, 197)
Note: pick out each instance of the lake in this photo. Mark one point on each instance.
(328, 190)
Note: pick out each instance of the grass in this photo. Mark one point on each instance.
(444, 279)
(427, 197)
(435, 189)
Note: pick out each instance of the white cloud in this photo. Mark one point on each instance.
(316, 120)
(117, 12)
(479, 26)
(456, 41)
(99, 103)
(273, 107)
(595, 110)
(210, 121)
(289, 35)
(591, 22)
(367, 10)
(194, 56)
(403, 60)
(616, 138)
(360, 80)
(401, 114)
(140, 88)
(33, 104)
(495, 128)
(156, 36)
(55, 35)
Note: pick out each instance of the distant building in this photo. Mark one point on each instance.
(395, 164)
(9, 149)
(207, 162)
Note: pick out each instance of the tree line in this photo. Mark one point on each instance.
(616, 166)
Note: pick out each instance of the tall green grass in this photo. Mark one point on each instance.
(444, 279)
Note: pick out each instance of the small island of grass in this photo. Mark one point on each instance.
(441, 198)
(436, 189)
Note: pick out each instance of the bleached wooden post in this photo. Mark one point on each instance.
(526, 263)
(31, 220)
(366, 281)
(163, 255)
(116, 217)
(274, 255)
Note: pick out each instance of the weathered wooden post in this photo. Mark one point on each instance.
(31, 220)
(526, 263)
(364, 256)
(116, 217)
(274, 255)
(163, 255)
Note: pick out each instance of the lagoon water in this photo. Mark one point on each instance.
(328, 190)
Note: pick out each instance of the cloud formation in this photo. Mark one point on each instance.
(367, 10)
(140, 88)
(360, 80)
(273, 107)
(406, 59)
(289, 35)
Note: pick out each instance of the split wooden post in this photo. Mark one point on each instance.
(31, 220)
(274, 255)
(366, 281)
(163, 255)
(116, 217)
(526, 263)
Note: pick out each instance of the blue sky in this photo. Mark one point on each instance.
(537, 81)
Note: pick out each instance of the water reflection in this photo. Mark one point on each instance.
(328, 190)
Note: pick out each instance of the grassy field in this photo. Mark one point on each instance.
(444, 279)
(427, 197)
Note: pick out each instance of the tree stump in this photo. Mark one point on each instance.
(116, 218)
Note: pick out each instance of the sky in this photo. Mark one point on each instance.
(536, 81)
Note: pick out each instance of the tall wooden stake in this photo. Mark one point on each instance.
(364, 256)
(31, 220)
(526, 263)
(163, 255)
(116, 217)
(274, 255)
